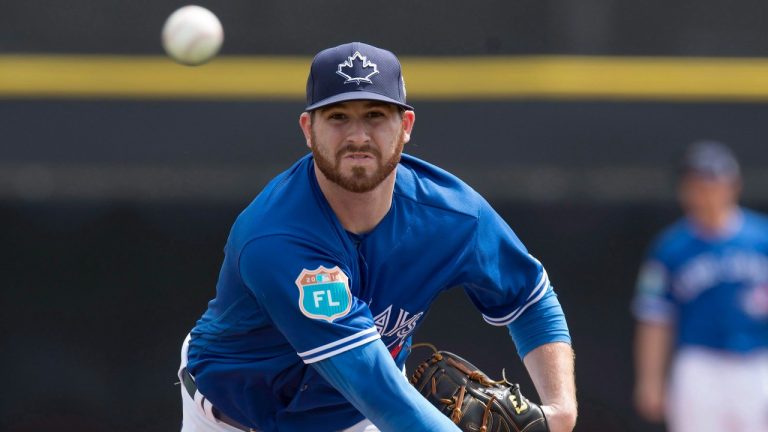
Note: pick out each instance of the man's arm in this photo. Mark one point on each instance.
(543, 341)
(369, 379)
(551, 369)
(655, 310)
(653, 344)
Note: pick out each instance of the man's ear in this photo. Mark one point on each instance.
(305, 122)
(409, 118)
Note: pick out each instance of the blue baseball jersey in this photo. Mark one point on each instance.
(296, 288)
(714, 288)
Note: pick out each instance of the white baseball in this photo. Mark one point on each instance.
(192, 35)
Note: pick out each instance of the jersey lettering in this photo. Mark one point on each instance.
(708, 270)
(395, 335)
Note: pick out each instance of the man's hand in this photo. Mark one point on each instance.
(650, 400)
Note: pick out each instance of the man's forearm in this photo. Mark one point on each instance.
(370, 381)
(551, 367)
(653, 345)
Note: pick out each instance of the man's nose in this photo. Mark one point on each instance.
(358, 132)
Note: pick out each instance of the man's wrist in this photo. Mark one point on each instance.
(560, 417)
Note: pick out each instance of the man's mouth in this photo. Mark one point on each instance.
(358, 156)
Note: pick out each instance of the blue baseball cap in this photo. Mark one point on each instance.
(355, 71)
(711, 159)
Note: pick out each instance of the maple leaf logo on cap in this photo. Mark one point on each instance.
(349, 65)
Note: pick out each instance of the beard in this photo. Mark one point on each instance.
(360, 180)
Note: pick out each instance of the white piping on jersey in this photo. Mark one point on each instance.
(342, 349)
(338, 342)
(325, 347)
(538, 292)
(544, 281)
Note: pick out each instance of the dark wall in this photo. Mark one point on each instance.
(529, 150)
(577, 133)
(97, 299)
(114, 214)
(685, 27)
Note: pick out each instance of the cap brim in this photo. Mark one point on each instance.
(355, 95)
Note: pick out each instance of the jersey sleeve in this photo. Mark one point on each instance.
(543, 323)
(501, 278)
(653, 301)
(394, 404)
(308, 295)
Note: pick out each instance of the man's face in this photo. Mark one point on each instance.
(357, 144)
(704, 195)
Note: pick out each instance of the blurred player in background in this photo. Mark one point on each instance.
(701, 305)
(333, 266)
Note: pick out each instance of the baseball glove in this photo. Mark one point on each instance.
(472, 400)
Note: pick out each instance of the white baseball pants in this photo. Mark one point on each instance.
(199, 417)
(712, 391)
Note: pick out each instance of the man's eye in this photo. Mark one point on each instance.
(374, 114)
(337, 116)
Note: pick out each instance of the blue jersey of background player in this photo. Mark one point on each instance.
(714, 287)
(333, 266)
(703, 291)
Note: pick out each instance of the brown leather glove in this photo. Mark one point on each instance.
(472, 400)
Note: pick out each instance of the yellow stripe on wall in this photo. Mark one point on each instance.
(427, 78)
(155, 77)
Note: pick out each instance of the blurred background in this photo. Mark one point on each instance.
(121, 172)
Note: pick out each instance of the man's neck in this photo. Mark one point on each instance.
(358, 213)
(716, 223)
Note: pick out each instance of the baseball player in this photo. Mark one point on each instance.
(702, 300)
(329, 271)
